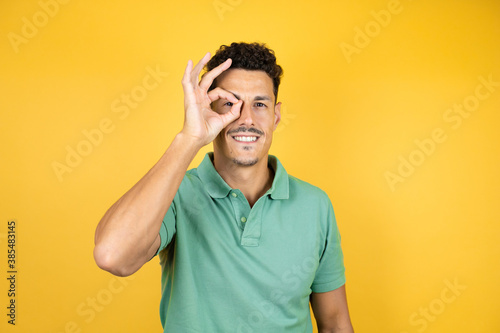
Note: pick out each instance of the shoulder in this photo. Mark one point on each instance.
(301, 189)
(191, 174)
(191, 182)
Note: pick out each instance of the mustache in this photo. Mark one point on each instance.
(242, 129)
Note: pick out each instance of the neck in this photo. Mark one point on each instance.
(253, 181)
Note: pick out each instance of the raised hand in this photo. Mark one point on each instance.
(201, 122)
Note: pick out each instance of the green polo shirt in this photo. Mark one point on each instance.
(227, 267)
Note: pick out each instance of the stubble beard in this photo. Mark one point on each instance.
(241, 162)
(245, 161)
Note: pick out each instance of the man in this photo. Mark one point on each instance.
(244, 247)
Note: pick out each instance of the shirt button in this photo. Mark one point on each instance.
(243, 219)
(234, 194)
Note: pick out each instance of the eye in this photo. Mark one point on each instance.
(228, 104)
(260, 105)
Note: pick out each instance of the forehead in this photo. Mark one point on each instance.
(242, 81)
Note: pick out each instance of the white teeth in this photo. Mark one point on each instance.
(245, 138)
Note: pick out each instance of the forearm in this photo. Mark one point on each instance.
(331, 311)
(347, 329)
(126, 235)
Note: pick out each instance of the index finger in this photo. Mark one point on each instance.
(195, 73)
(209, 77)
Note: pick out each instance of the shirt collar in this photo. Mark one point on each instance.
(218, 188)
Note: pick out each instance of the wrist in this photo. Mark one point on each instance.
(189, 142)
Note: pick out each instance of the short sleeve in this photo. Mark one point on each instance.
(330, 274)
(167, 229)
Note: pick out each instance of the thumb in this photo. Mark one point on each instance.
(233, 114)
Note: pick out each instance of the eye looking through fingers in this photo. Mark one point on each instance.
(219, 93)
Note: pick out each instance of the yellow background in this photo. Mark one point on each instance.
(348, 119)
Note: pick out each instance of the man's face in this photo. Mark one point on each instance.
(247, 140)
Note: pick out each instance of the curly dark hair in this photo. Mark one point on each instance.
(249, 56)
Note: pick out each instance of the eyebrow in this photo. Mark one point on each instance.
(256, 98)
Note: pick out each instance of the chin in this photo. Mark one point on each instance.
(245, 161)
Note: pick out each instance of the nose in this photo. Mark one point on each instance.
(246, 115)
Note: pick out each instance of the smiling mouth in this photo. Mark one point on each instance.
(246, 139)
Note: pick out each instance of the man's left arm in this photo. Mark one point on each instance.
(331, 312)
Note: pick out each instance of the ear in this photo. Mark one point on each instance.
(277, 115)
